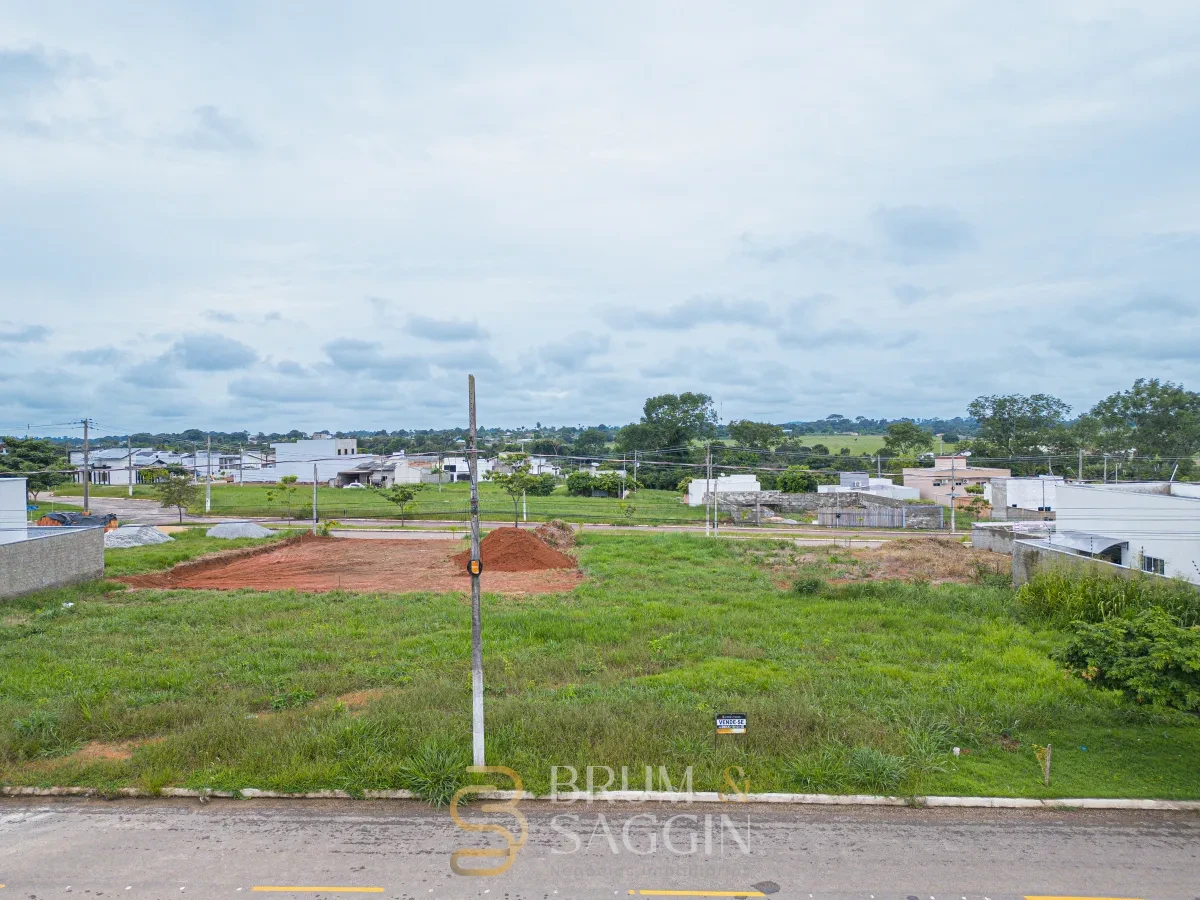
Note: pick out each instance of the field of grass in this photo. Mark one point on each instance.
(451, 502)
(864, 686)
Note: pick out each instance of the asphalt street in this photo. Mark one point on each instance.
(227, 849)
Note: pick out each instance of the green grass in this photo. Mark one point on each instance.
(858, 687)
(451, 502)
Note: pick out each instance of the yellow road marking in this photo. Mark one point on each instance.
(652, 893)
(296, 889)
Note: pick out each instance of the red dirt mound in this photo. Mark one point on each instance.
(513, 550)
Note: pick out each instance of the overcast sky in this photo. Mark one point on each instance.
(238, 215)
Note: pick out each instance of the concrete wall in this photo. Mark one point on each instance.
(1155, 523)
(779, 503)
(12, 509)
(698, 489)
(1032, 556)
(1030, 494)
(52, 558)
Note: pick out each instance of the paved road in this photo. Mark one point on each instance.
(228, 848)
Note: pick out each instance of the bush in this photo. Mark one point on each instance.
(796, 480)
(1148, 657)
(542, 486)
(873, 770)
(1062, 596)
(579, 484)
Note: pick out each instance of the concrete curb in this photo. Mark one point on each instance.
(642, 797)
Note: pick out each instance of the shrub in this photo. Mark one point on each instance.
(579, 484)
(821, 771)
(543, 485)
(1062, 596)
(1148, 657)
(796, 480)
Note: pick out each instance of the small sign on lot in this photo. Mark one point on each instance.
(731, 723)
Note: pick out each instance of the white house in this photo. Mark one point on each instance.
(13, 522)
(457, 468)
(1152, 526)
(329, 455)
(1026, 495)
(862, 483)
(722, 484)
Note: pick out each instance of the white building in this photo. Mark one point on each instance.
(1152, 526)
(722, 484)
(457, 468)
(1026, 495)
(862, 483)
(13, 521)
(330, 456)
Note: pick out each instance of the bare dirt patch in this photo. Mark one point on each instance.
(311, 563)
(936, 560)
(357, 701)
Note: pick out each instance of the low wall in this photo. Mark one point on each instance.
(744, 505)
(1031, 556)
(996, 537)
(51, 557)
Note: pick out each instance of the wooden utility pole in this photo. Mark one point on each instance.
(314, 498)
(129, 461)
(1081, 464)
(87, 471)
(952, 476)
(476, 567)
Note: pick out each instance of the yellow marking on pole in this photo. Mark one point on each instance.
(303, 889)
(655, 893)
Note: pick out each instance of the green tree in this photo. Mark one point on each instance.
(796, 480)
(178, 491)
(36, 459)
(1155, 418)
(283, 491)
(402, 495)
(671, 420)
(1014, 425)
(591, 442)
(906, 439)
(516, 483)
(760, 435)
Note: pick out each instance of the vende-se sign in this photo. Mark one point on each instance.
(731, 723)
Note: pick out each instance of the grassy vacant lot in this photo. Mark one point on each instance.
(864, 684)
(451, 502)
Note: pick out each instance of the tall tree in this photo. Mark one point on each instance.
(591, 442)
(760, 435)
(906, 438)
(671, 420)
(1155, 418)
(37, 460)
(1013, 425)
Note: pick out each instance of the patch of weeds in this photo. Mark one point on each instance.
(435, 772)
(808, 586)
(820, 771)
(37, 733)
(875, 771)
(292, 699)
(929, 743)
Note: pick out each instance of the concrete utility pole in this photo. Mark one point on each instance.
(476, 567)
(952, 461)
(314, 498)
(1081, 464)
(87, 471)
(129, 461)
(707, 485)
(208, 479)
(635, 468)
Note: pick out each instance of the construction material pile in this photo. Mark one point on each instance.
(513, 550)
(232, 530)
(134, 536)
(557, 534)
